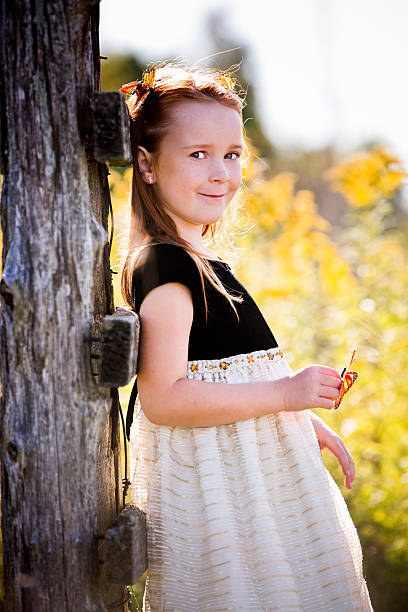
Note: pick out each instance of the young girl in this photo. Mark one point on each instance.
(225, 455)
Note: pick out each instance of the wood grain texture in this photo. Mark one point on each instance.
(111, 129)
(60, 455)
(125, 547)
(119, 348)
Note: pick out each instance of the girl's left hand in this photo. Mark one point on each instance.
(333, 443)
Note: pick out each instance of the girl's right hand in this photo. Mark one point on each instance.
(315, 386)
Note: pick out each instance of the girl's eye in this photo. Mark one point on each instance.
(237, 155)
(197, 154)
(202, 154)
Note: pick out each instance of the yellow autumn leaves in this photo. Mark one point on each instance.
(288, 227)
(294, 235)
(365, 178)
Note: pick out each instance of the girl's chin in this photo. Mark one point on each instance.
(209, 220)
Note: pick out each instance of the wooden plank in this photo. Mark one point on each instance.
(111, 129)
(119, 348)
(125, 548)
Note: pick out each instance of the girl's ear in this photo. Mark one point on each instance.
(145, 163)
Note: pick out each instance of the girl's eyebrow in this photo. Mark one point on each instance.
(208, 146)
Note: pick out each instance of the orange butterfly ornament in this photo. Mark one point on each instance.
(348, 378)
(226, 80)
(141, 88)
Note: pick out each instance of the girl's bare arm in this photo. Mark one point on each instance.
(169, 398)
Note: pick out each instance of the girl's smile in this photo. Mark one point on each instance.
(197, 169)
(214, 197)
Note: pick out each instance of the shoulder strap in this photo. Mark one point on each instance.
(131, 409)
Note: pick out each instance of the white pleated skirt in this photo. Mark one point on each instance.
(245, 516)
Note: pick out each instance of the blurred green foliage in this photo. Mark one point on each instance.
(118, 70)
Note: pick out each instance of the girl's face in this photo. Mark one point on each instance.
(197, 169)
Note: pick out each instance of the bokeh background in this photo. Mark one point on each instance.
(320, 236)
(320, 239)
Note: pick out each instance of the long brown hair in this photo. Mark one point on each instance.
(149, 222)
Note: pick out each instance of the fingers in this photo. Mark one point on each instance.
(329, 392)
(314, 386)
(331, 381)
(349, 470)
(349, 477)
(325, 370)
(330, 386)
(323, 402)
(336, 447)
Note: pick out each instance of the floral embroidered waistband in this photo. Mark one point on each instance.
(219, 365)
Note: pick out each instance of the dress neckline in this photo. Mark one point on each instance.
(207, 258)
(221, 261)
(210, 259)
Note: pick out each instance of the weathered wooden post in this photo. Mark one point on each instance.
(61, 476)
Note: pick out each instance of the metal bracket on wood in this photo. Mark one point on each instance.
(111, 129)
(125, 547)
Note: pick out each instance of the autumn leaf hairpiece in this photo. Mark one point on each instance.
(141, 88)
(348, 378)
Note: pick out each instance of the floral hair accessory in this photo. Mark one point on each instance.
(348, 378)
(141, 88)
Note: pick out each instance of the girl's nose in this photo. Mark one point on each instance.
(219, 173)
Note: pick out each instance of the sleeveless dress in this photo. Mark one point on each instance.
(243, 516)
